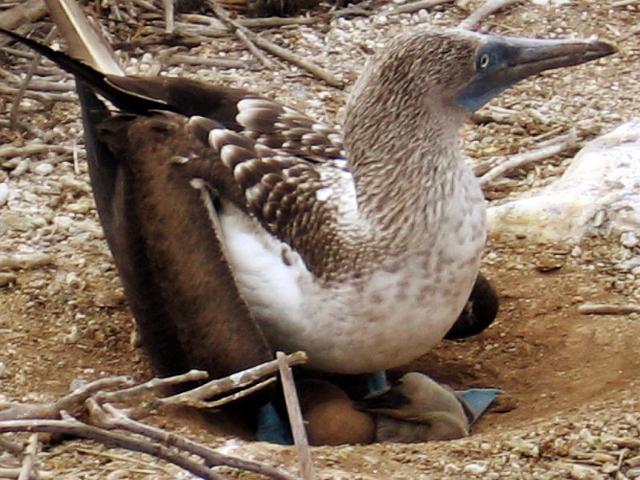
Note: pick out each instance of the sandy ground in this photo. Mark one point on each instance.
(571, 381)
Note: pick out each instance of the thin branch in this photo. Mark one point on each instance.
(216, 62)
(516, 161)
(276, 22)
(272, 48)
(29, 11)
(229, 398)
(483, 11)
(239, 31)
(169, 18)
(14, 448)
(23, 261)
(295, 418)
(319, 72)
(416, 6)
(70, 402)
(624, 3)
(153, 384)
(237, 380)
(6, 473)
(244, 38)
(15, 103)
(608, 309)
(89, 402)
(9, 151)
(45, 98)
(78, 429)
(111, 417)
(28, 468)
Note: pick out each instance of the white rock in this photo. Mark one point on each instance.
(73, 336)
(43, 169)
(63, 223)
(4, 193)
(629, 239)
(633, 473)
(476, 468)
(582, 472)
(599, 191)
(547, 3)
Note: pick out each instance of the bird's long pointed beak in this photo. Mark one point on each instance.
(510, 60)
(526, 57)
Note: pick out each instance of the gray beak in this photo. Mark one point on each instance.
(503, 61)
(525, 57)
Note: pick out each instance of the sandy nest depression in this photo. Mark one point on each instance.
(572, 407)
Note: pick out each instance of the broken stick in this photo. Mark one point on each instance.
(483, 11)
(516, 161)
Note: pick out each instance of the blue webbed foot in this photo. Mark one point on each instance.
(377, 382)
(271, 427)
(477, 400)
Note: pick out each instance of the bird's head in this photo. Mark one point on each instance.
(460, 69)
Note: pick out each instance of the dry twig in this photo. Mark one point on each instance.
(240, 32)
(295, 418)
(251, 40)
(275, 22)
(74, 401)
(110, 417)
(216, 62)
(291, 57)
(15, 104)
(516, 161)
(154, 384)
(92, 402)
(229, 398)
(416, 6)
(13, 448)
(71, 426)
(7, 473)
(169, 18)
(9, 151)
(29, 467)
(46, 99)
(624, 3)
(608, 309)
(29, 11)
(16, 261)
(232, 382)
(483, 11)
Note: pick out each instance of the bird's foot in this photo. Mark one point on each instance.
(271, 427)
(476, 401)
(377, 382)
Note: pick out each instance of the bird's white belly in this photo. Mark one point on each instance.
(396, 315)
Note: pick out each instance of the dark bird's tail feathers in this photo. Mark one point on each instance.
(123, 99)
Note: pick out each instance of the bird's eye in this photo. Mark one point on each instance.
(484, 61)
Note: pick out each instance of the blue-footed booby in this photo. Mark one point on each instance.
(360, 247)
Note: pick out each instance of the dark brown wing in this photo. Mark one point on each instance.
(290, 170)
(177, 282)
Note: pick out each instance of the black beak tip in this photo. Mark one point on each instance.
(599, 49)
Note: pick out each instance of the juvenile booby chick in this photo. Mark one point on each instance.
(330, 415)
(417, 409)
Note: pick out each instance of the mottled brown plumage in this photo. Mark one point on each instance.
(362, 255)
(178, 285)
(417, 409)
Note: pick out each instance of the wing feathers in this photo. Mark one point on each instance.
(84, 43)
